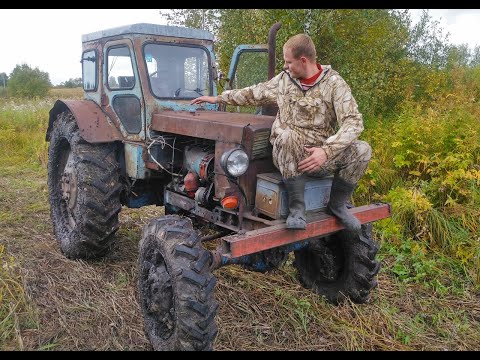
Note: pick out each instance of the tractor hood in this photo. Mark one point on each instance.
(213, 125)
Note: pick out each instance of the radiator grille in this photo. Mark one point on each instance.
(261, 144)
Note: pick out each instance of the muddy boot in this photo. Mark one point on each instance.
(296, 204)
(339, 196)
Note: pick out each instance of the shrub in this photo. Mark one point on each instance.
(26, 82)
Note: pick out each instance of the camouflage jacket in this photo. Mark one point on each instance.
(324, 116)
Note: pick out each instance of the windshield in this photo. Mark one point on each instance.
(178, 72)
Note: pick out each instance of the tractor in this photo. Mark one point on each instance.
(135, 140)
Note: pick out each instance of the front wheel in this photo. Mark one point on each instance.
(340, 266)
(176, 286)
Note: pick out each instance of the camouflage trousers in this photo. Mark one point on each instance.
(350, 164)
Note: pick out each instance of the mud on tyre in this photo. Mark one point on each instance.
(340, 266)
(176, 286)
(84, 191)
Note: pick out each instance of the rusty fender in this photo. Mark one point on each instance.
(94, 125)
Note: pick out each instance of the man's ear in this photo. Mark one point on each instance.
(304, 60)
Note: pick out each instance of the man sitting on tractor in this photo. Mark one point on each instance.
(315, 132)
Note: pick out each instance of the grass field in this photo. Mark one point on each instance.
(428, 295)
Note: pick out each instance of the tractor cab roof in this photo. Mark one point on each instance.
(150, 29)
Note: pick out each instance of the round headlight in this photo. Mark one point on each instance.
(235, 162)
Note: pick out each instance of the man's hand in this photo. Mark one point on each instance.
(201, 99)
(316, 159)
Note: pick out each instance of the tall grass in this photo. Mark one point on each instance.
(426, 164)
(23, 125)
(16, 311)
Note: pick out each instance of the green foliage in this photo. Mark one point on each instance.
(425, 163)
(71, 83)
(205, 19)
(383, 58)
(22, 131)
(475, 57)
(438, 151)
(414, 262)
(26, 82)
(428, 45)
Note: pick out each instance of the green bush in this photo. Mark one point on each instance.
(25, 82)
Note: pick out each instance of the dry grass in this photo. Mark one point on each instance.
(66, 93)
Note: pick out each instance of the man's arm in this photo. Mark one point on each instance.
(205, 98)
(260, 94)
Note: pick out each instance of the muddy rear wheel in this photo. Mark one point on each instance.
(84, 191)
(176, 286)
(340, 266)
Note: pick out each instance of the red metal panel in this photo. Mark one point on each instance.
(213, 125)
(94, 125)
(277, 235)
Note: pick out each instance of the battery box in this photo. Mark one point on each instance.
(271, 198)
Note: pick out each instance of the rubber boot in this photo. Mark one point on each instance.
(297, 218)
(339, 196)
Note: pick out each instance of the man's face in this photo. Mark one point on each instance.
(297, 67)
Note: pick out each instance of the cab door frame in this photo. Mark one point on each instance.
(125, 102)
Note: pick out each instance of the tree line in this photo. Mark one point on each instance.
(27, 82)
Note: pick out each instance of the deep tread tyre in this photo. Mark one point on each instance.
(176, 286)
(84, 191)
(340, 266)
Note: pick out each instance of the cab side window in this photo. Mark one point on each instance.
(120, 69)
(89, 70)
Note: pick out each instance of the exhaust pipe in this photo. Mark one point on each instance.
(272, 34)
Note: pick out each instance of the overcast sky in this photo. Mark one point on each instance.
(50, 39)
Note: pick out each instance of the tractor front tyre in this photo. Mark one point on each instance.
(340, 266)
(84, 191)
(176, 286)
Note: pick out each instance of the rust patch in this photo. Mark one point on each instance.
(213, 125)
(277, 235)
(94, 125)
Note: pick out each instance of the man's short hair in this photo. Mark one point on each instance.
(301, 45)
